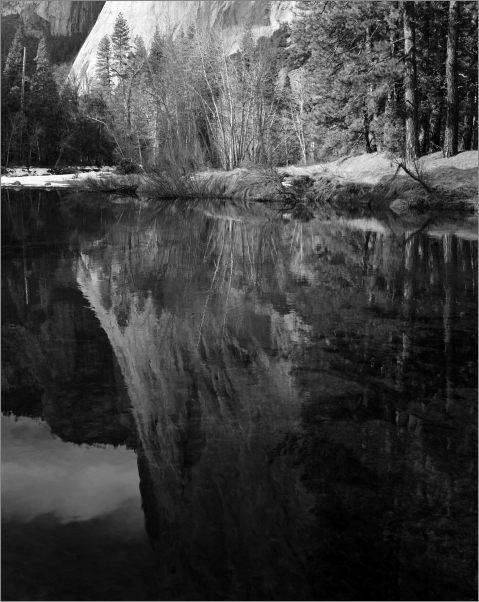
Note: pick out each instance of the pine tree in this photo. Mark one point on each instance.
(136, 69)
(13, 87)
(13, 90)
(14, 62)
(345, 47)
(156, 53)
(45, 114)
(365, 86)
(121, 47)
(42, 58)
(103, 63)
(139, 54)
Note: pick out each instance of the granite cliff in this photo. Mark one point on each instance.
(61, 18)
(143, 17)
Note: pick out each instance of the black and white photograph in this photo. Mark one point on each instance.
(239, 350)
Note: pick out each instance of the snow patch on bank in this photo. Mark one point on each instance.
(40, 177)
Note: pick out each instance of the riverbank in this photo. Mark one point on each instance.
(372, 180)
(40, 177)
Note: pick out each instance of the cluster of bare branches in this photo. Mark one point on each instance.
(200, 100)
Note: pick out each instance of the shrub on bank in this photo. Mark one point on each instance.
(128, 167)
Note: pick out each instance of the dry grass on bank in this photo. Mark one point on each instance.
(373, 181)
(239, 184)
(453, 181)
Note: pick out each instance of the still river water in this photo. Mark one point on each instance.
(211, 403)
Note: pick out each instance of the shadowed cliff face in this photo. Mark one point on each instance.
(303, 396)
(62, 18)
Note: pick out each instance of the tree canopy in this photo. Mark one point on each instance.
(342, 77)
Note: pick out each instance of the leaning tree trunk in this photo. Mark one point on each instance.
(452, 116)
(410, 81)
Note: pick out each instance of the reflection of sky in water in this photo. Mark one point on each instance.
(42, 474)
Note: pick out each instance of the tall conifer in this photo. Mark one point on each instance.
(45, 106)
(12, 73)
(155, 54)
(13, 64)
(120, 46)
(103, 63)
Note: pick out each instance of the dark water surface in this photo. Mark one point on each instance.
(210, 403)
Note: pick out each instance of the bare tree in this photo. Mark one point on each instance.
(296, 103)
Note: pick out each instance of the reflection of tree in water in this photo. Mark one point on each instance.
(229, 331)
(209, 396)
(371, 438)
(388, 438)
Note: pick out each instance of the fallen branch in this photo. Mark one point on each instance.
(402, 165)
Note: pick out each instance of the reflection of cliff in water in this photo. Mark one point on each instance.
(57, 362)
(304, 398)
(208, 373)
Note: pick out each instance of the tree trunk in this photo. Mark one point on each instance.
(22, 101)
(410, 82)
(366, 117)
(62, 148)
(390, 111)
(8, 148)
(452, 121)
(366, 127)
(437, 108)
(425, 130)
(474, 133)
(424, 121)
(435, 138)
(470, 121)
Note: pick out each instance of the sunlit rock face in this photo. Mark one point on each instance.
(143, 17)
(62, 18)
